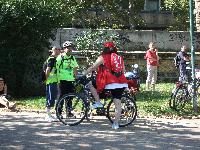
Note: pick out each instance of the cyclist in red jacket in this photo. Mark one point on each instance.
(106, 79)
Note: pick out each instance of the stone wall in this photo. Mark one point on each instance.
(138, 40)
(136, 43)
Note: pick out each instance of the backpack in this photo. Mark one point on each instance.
(117, 64)
(63, 59)
(177, 60)
(43, 74)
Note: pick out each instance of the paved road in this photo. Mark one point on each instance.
(29, 131)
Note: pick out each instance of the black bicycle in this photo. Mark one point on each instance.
(82, 99)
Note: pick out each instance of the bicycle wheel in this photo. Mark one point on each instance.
(198, 90)
(128, 114)
(71, 109)
(171, 100)
(180, 98)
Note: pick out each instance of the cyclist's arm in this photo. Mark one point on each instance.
(98, 62)
(47, 72)
(75, 71)
(50, 65)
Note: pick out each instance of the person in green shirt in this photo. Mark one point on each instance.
(66, 66)
(51, 82)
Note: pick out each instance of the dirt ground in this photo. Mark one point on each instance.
(29, 131)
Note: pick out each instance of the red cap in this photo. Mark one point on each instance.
(109, 44)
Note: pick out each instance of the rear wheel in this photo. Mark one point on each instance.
(128, 114)
(180, 97)
(198, 90)
(172, 99)
(71, 109)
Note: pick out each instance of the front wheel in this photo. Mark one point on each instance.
(128, 113)
(71, 109)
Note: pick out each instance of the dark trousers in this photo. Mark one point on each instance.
(51, 94)
(65, 88)
(182, 73)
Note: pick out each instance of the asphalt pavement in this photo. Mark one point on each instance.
(29, 131)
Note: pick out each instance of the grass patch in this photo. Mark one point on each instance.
(149, 103)
(157, 103)
(31, 103)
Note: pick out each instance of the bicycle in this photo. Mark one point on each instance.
(181, 94)
(81, 100)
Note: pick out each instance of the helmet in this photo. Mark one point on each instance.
(68, 44)
(109, 47)
(109, 44)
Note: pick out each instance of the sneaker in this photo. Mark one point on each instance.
(97, 105)
(61, 117)
(12, 106)
(115, 126)
(7, 105)
(50, 118)
(70, 114)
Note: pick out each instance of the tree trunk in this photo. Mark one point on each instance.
(197, 8)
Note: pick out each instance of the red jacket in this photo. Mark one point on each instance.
(151, 54)
(104, 76)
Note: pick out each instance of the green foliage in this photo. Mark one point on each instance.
(91, 43)
(31, 103)
(180, 10)
(25, 28)
(108, 13)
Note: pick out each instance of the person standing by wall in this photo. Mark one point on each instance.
(152, 64)
(51, 82)
(67, 66)
(184, 57)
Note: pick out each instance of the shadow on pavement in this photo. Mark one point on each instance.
(30, 131)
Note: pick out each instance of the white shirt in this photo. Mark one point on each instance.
(116, 85)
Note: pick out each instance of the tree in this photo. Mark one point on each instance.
(113, 14)
(180, 10)
(90, 43)
(25, 29)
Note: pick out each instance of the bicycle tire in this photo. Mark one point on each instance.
(128, 114)
(198, 90)
(171, 100)
(79, 109)
(180, 98)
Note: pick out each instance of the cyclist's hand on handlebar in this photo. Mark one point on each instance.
(82, 77)
(84, 73)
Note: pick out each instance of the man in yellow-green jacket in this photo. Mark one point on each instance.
(66, 66)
